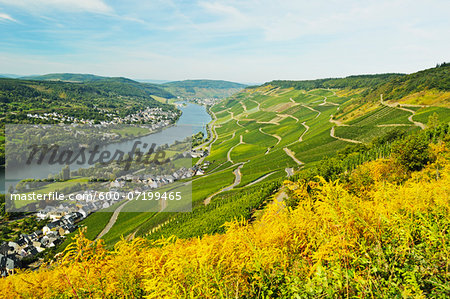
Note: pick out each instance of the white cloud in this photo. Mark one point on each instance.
(94, 6)
(285, 20)
(6, 17)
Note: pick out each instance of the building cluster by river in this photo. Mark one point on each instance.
(64, 216)
(157, 117)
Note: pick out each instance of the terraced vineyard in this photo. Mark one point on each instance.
(264, 134)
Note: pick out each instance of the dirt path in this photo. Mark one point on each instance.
(337, 122)
(395, 125)
(260, 179)
(312, 109)
(266, 122)
(257, 103)
(292, 155)
(275, 136)
(231, 148)
(342, 139)
(288, 115)
(325, 102)
(300, 139)
(232, 136)
(131, 236)
(237, 181)
(112, 220)
(289, 171)
(243, 106)
(281, 196)
(398, 106)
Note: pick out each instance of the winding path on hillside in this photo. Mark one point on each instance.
(237, 122)
(327, 103)
(312, 109)
(395, 125)
(237, 181)
(332, 134)
(260, 179)
(300, 139)
(112, 220)
(232, 136)
(289, 171)
(292, 155)
(257, 103)
(338, 123)
(231, 148)
(288, 115)
(243, 106)
(400, 107)
(274, 136)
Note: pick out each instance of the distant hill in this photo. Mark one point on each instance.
(186, 89)
(9, 76)
(120, 95)
(65, 77)
(352, 82)
(430, 86)
(155, 81)
(416, 88)
(203, 88)
(120, 85)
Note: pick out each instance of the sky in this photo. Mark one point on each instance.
(250, 41)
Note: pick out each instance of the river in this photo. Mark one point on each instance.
(192, 120)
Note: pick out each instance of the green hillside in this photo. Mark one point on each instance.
(203, 88)
(267, 133)
(96, 100)
(65, 77)
(119, 85)
(352, 82)
(20, 97)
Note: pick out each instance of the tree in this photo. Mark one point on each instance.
(330, 168)
(433, 120)
(412, 152)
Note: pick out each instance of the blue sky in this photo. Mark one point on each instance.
(243, 41)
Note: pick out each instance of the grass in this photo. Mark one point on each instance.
(383, 115)
(52, 187)
(423, 114)
(367, 133)
(317, 143)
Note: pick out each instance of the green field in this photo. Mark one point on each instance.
(256, 129)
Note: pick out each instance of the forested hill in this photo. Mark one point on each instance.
(65, 77)
(353, 82)
(118, 85)
(415, 88)
(184, 89)
(436, 80)
(203, 88)
(83, 100)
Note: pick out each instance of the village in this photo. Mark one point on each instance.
(65, 216)
(157, 117)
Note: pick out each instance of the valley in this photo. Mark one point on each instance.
(262, 137)
(265, 134)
